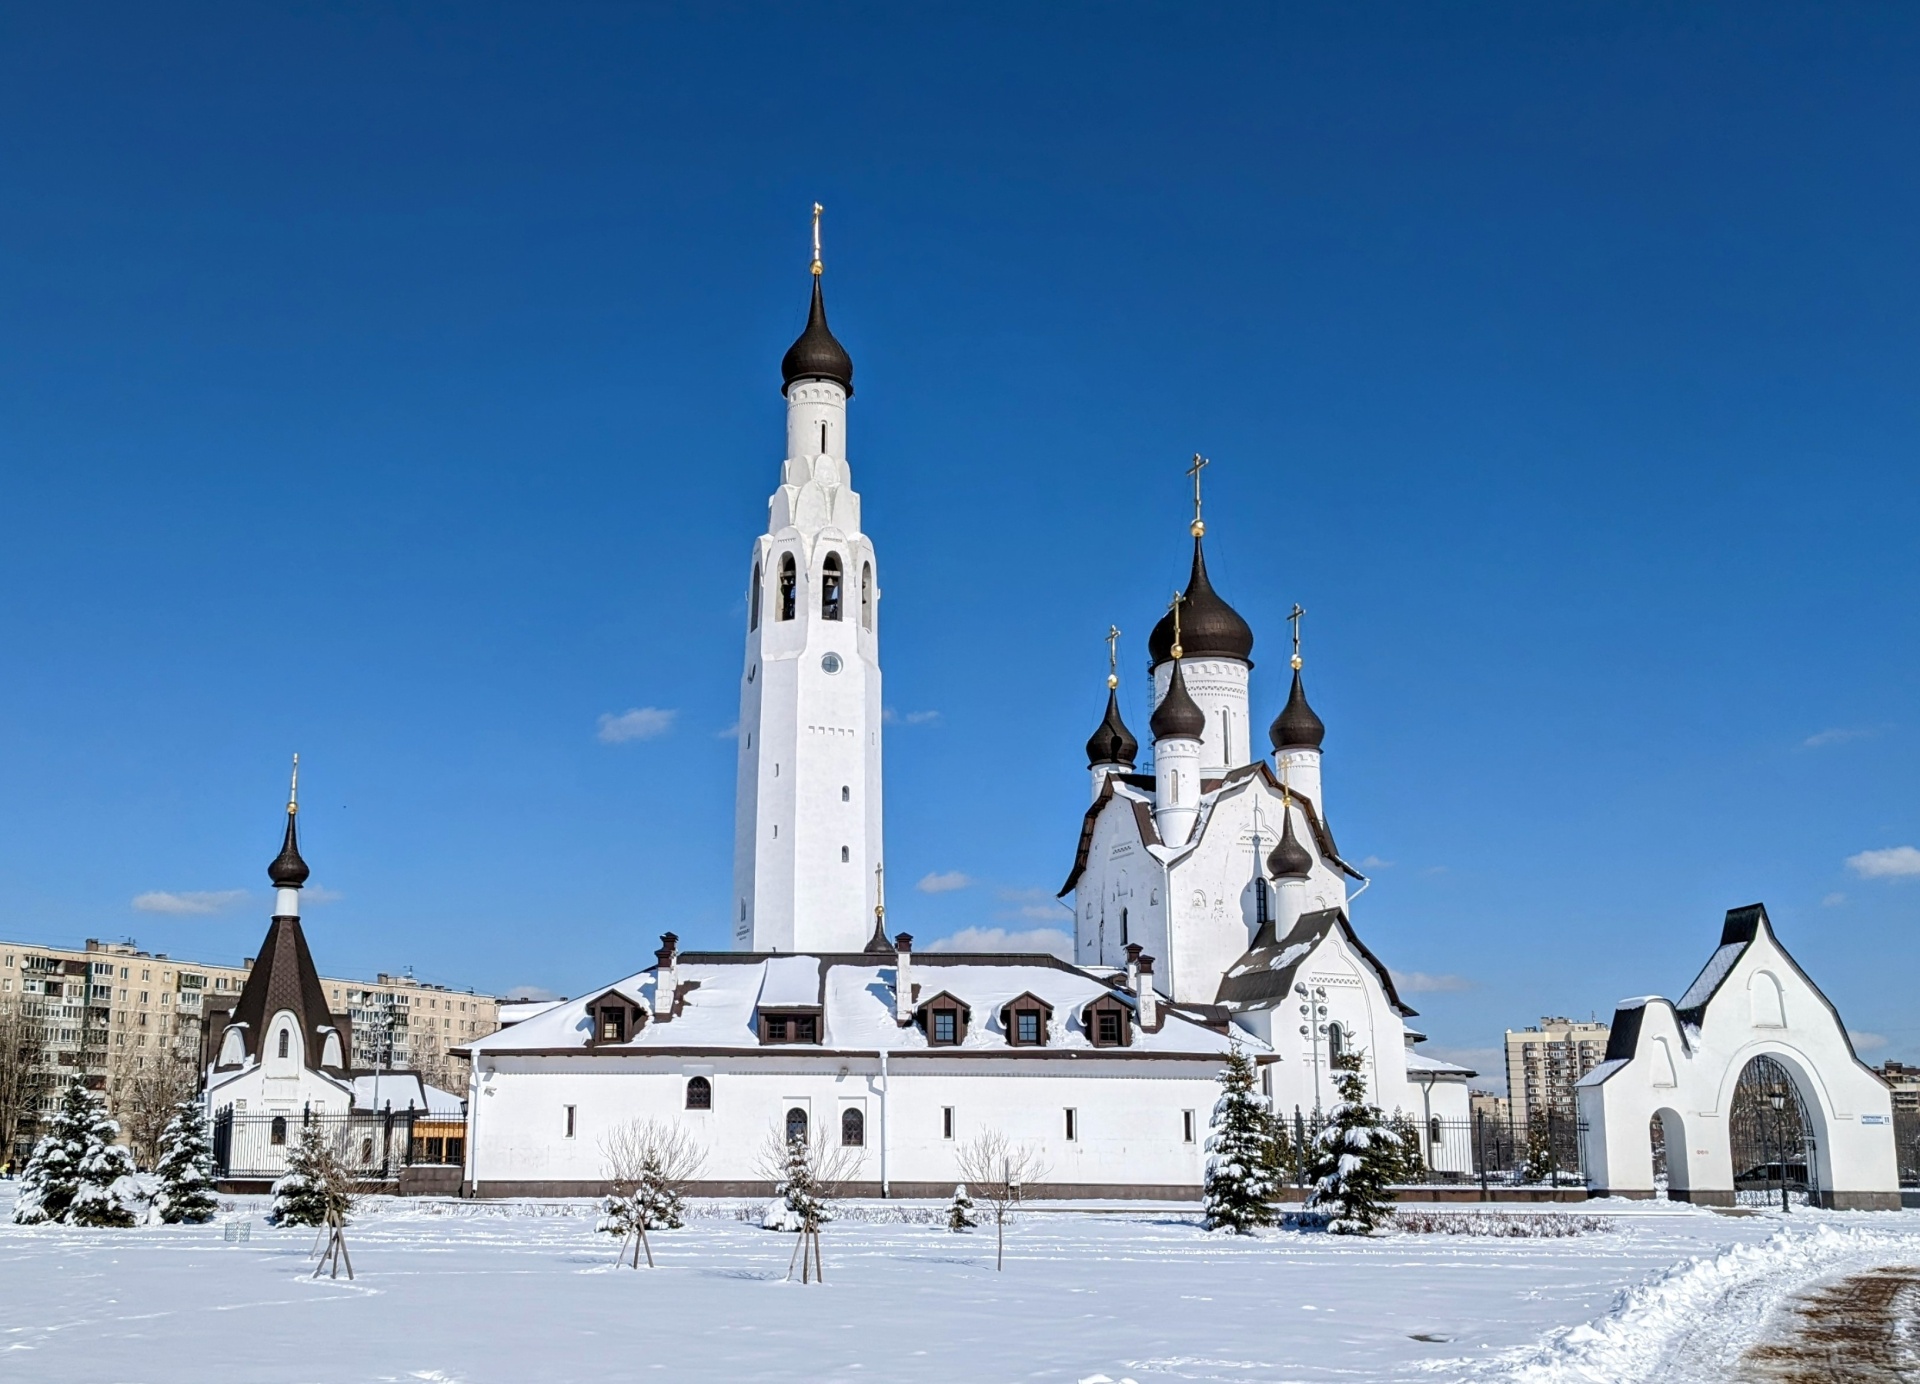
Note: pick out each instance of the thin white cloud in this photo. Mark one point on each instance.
(641, 723)
(943, 882)
(1038, 894)
(1051, 940)
(319, 893)
(1422, 983)
(891, 717)
(187, 901)
(732, 732)
(1837, 735)
(1833, 900)
(1866, 1042)
(1374, 862)
(1038, 912)
(1895, 862)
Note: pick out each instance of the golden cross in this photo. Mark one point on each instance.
(293, 793)
(1199, 463)
(1294, 620)
(1179, 597)
(879, 891)
(1113, 657)
(817, 209)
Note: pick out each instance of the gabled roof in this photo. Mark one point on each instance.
(284, 977)
(1212, 792)
(1264, 974)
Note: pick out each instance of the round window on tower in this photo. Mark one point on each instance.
(830, 663)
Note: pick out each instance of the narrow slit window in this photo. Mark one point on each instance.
(285, 1041)
(946, 1122)
(823, 438)
(753, 600)
(570, 1121)
(866, 594)
(1186, 1126)
(1073, 1124)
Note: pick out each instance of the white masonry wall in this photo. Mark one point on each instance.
(1130, 1118)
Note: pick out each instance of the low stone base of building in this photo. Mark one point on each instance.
(1857, 1201)
(910, 1191)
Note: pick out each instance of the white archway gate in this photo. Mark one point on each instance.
(1752, 1026)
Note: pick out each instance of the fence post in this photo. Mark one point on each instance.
(1553, 1169)
(1480, 1148)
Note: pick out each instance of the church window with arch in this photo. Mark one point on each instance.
(277, 1132)
(286, 1041)
(796, 1126)
(853, 1127)
(699, 1093)
(1336, 1043)
(830, 588)
(789, 585)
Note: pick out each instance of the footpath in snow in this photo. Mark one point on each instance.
(519, 1291)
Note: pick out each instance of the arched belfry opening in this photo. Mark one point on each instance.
(830, 588)
(753, 600)
(789, 586)
(1773, 1136)
(866, 595)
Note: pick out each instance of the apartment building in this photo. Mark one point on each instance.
(1544, 1062)
(108, 1006)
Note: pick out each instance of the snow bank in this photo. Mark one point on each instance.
(1725, 1297)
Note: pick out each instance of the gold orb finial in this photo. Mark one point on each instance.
(1298, 664)
(1113, 681)
(1198, 528)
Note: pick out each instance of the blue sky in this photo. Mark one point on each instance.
(399, 385)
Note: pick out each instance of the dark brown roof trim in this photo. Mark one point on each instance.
(761, 1054)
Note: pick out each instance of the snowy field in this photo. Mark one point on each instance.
(526, 1291)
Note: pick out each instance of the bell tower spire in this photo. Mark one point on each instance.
(807, 818)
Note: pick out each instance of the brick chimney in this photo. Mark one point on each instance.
(666, 977)
(903, 978)
(1149, 997)
(1133, 967)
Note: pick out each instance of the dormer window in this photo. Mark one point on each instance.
(944, 1019)
(615, 1018)
(1109, 1022)
(1026, 1019)
(792, 1026)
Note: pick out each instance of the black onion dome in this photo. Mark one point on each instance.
(1113, 743)
(817, 355)
(1177, 717)
(1289, 859)
(1296, 727)
(288, 870)
(1209, 627)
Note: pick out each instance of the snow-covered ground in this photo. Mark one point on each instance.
(526, 1291)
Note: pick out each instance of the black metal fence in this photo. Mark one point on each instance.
(255, 1145)
(1482, 1151)
(1906, 1145)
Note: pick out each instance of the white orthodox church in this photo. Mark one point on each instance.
(1211, 908)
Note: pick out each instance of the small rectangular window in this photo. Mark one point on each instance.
(1073, 1124)
(945, 1022)
(1027, 1025)
(1107, 1024)
(570, 1122)
(946, 1122)
(1186, 1126)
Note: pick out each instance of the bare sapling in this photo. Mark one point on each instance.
(998, 1172)
(650, 1164)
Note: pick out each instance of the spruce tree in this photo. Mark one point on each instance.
(300, 1195)
(185, 1168)
(70, 1178)
(800, 1203)
(1242, 1180)
(1354, 1157)
(961, 1216)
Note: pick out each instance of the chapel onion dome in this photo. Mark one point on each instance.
(817, 355)
(288, 870)
(1112, 743)
(1289, 859)
(1209, 627)
(1177, 718)
(1296, 727)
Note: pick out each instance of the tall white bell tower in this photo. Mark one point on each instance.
(807, 817)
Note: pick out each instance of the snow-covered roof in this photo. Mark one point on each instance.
(1264, 975)
(401, 1090)
(522, 1010)
(1710, 978)
(1418, 1061)
(722, 992)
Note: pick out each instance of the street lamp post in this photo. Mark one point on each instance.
(1778, 1100)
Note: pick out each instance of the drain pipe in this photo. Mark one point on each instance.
(884, 1124)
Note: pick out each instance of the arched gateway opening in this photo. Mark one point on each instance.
(1775, 1156)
